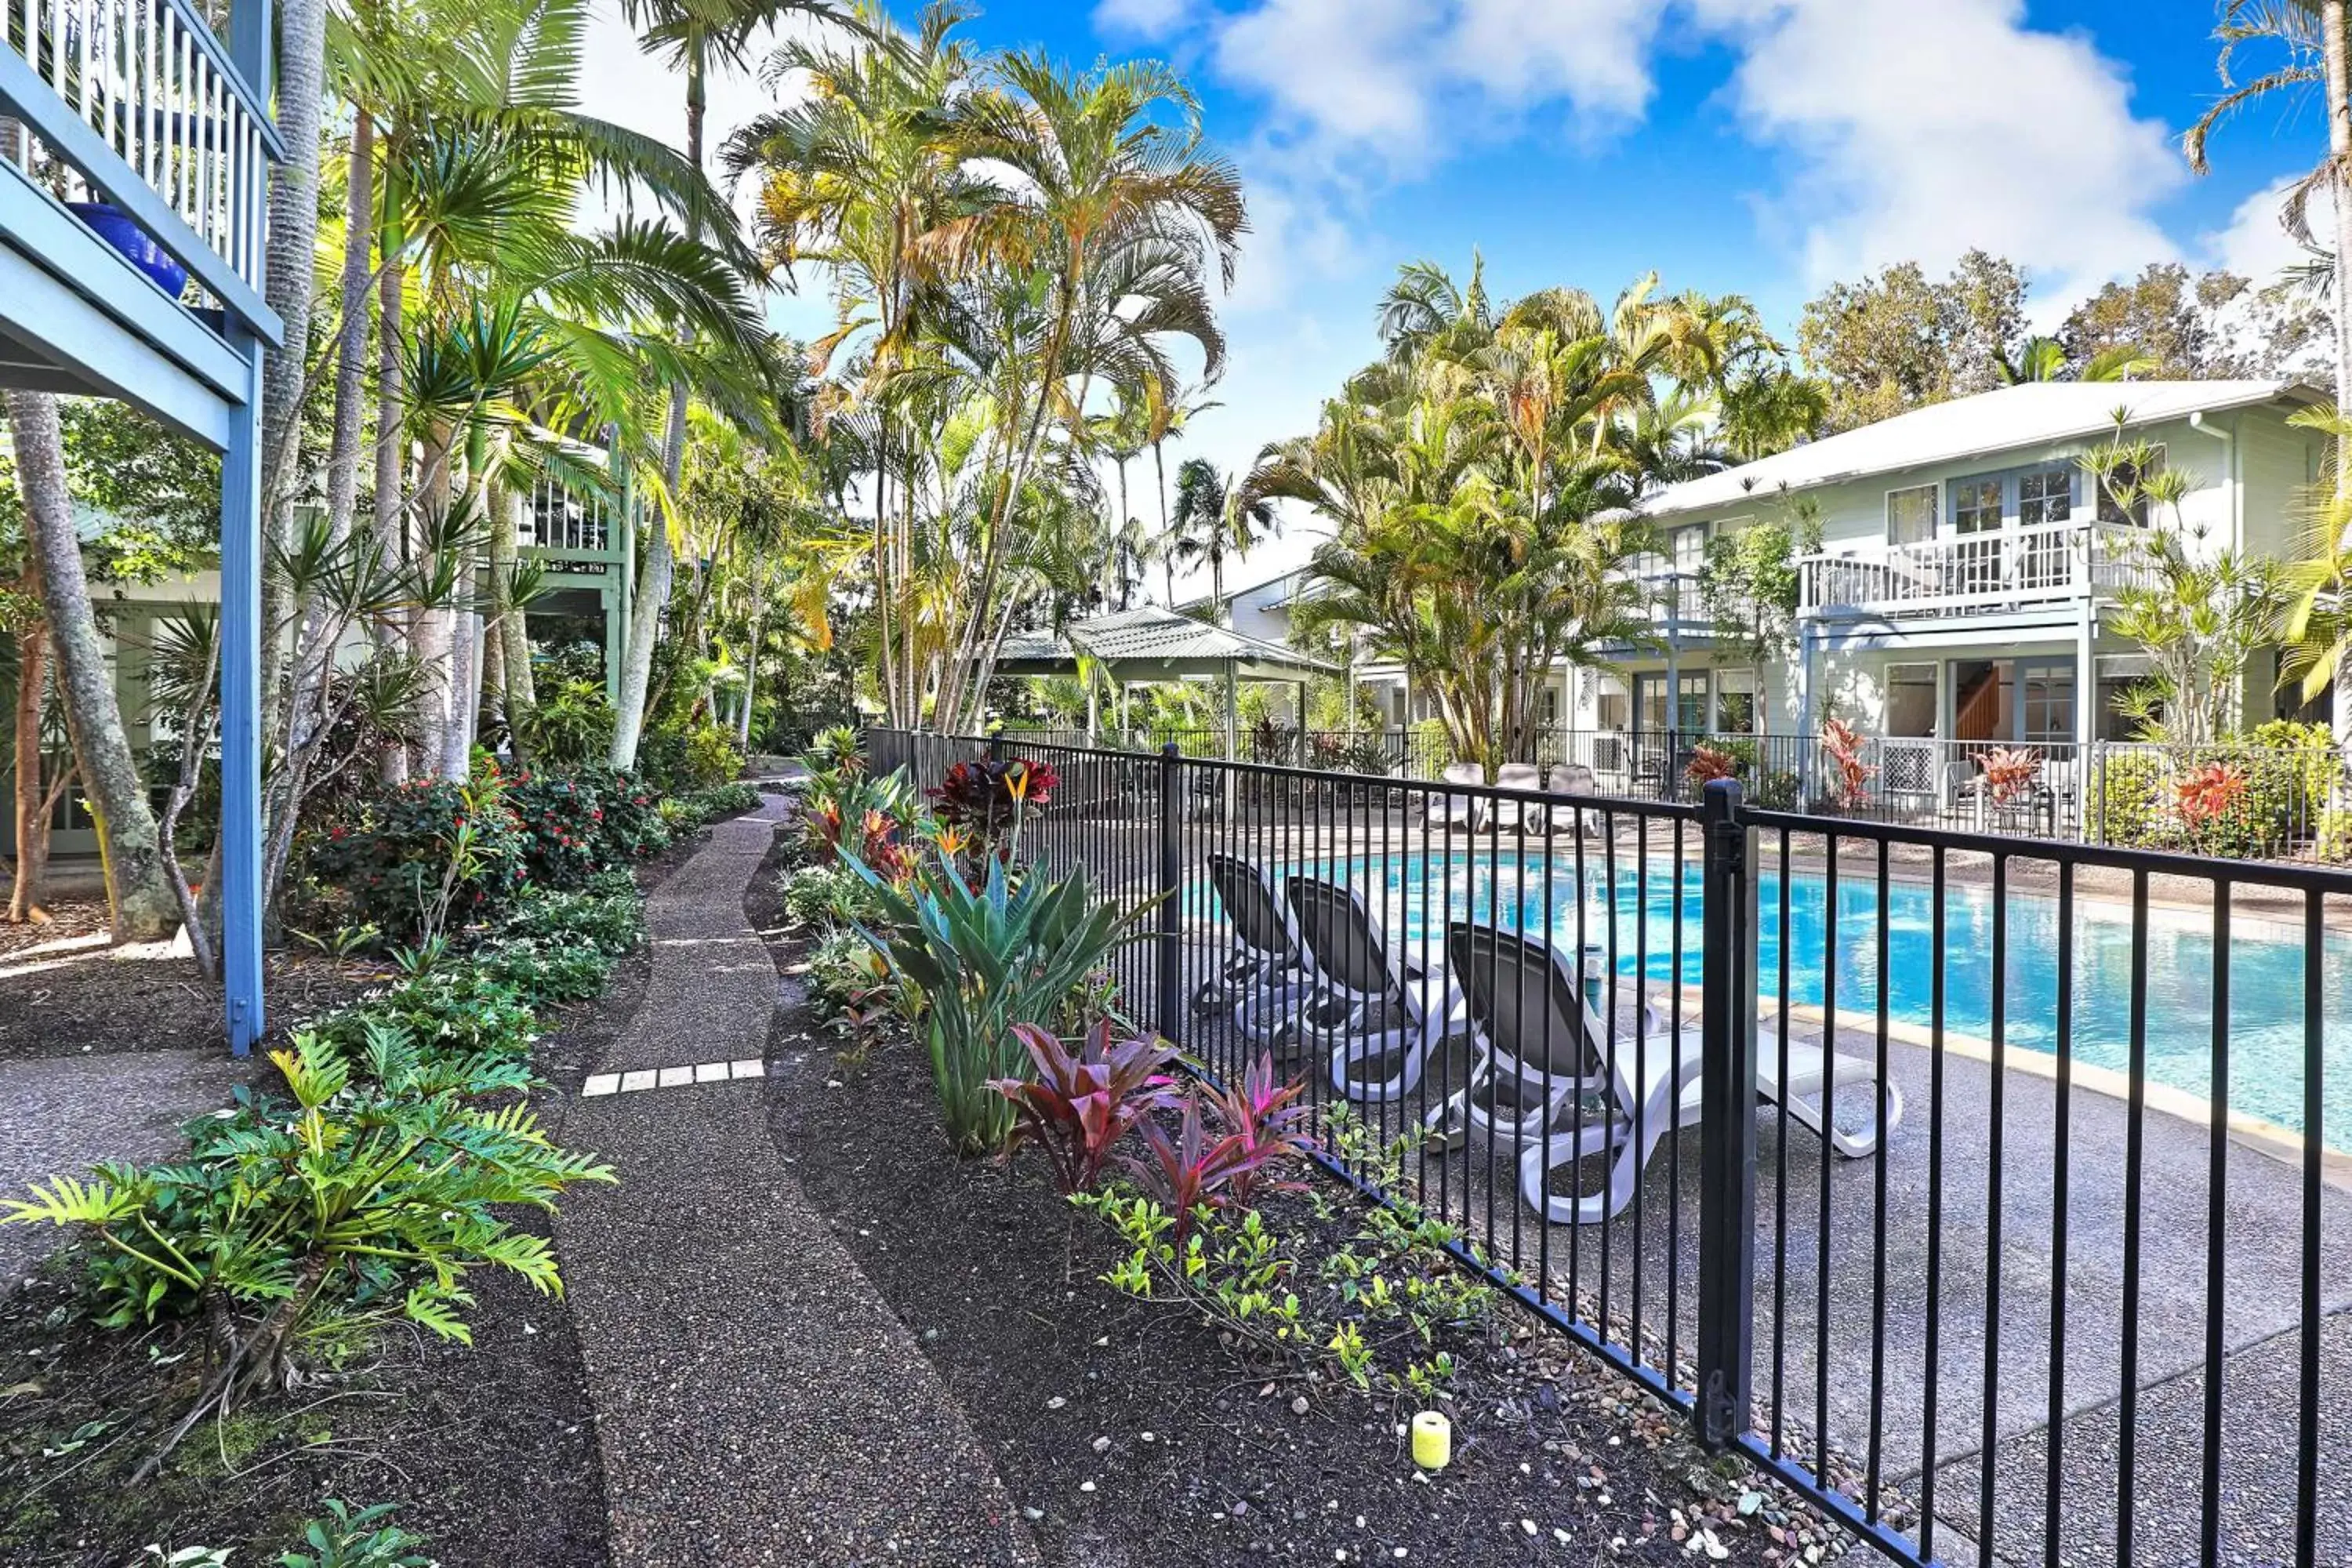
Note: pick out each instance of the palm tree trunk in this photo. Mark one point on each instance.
(391, 439)
(661, 563)
(516, 696)
(350, 341)
(139, 894)
(31, 799)
(1166, 556)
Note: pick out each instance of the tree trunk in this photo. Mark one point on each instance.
(31, 800)
(391, 440)
(661, 563)
(350, 342)
(1166, 556)
(139, 895)
(509, 633)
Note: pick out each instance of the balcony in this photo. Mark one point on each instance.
(1975, 573)
(134, 129)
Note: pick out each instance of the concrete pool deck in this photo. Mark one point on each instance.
(2262, 1283)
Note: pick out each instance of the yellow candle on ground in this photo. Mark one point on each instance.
(1432, 1440)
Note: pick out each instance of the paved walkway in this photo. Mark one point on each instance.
(756, 1400)
(65, 1114)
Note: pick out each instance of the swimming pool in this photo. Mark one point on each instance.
(2266, 963)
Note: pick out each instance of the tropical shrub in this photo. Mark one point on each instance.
(840, 748)
(1849, 775)
(539, 971)
(562, 821)
(835, 895)
(2134, 800)
(1082, 1104)
(1259, 1130)
(371, 1198)
(1709, 764)
(460, 1010)
(631, 828)
(611, 923)
(415, 859)
(2011, 772)
(982, 804)
(570, 728)
(2333, 843)
(704, 806)
(365, 1539)
(986, 958)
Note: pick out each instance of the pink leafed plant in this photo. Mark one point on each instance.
(1084, 1102)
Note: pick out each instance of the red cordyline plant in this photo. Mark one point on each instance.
(875, 840)
(1850, 776)
(984, 803)
(1260, 1130)
(1709, 764)
(1085, 1102)
(2009, 771)
(2204, 793)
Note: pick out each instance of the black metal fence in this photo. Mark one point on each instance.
(1977, 1186)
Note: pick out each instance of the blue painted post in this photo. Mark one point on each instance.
(252, 46)
(240, 678)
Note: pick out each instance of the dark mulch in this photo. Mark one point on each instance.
(1130, 1435)
(490, 1451)
(88, 999)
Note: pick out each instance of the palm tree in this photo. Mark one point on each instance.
(1165, 423)
(2044, 359)
(1117, 200)
(1214, 519)
(691, 35)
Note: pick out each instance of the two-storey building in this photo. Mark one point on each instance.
(1963, 591)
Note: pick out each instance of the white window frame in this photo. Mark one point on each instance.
(1934, 488)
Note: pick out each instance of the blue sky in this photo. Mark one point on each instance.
(1758, 146)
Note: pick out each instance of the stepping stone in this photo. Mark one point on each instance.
(601, 1083)
(632, 1081)
(754, 1068)
(711, 1072)
(673, 1077)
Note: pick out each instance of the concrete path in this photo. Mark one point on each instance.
(756, 1400)
(65, 1114)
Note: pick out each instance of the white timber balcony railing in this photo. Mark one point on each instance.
(564, 521)
(2003, 569)
(137, 104)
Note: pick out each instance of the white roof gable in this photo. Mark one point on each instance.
(2036, 414)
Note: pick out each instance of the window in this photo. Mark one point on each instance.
(1910, 699)
(1976, 505)
(1612, 708)
(2125, 480)
(1690, 549)
(2046, 495)
(1911, 515)
(1735, 702)
(2047, 706)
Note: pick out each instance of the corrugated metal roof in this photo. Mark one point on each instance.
(2036, 414)
(1152, 635)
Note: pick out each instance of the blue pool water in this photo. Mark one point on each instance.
(2266, 1040)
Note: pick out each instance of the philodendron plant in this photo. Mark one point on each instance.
(1007, 951)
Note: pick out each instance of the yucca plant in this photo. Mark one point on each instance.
(986, 957)
(373, 1195)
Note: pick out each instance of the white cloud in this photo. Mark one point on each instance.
(2255, 244)
(1907, 129)
(1919, 131)
(1146, 18)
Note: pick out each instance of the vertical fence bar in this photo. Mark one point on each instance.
(1168, 1001)
(1727, 1258)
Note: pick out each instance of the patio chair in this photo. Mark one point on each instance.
(1268, 979)
(1469, 810)
(1391, 1005)
(1550, 1085)
(1571, 778)
(1522, 816)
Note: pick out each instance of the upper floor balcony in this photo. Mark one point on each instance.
(1996, 571)
(136, 153)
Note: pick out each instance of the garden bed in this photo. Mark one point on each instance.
(436, 1427)
(1128, 1432)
